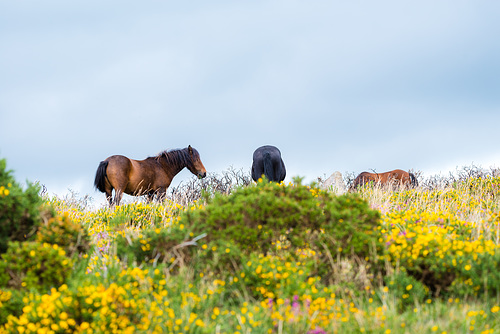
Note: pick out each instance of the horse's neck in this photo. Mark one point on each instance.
(172, 169)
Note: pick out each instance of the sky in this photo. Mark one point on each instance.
(345, 86)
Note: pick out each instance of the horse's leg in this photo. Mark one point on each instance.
(109, 193)
(150, 196)
(161, 194)
(118, 197)
(109, 198)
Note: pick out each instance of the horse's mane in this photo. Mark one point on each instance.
(179, 157)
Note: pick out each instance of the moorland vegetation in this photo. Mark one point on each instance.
(226, 255)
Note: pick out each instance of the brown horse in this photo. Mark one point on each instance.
(394, 177)
(150, 176)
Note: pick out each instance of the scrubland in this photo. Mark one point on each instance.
(232, 256)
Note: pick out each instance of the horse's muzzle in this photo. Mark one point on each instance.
(201, 175)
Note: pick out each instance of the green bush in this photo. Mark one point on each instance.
(156, 245)
(284, 276)
(32, 265)
(19, 209)
(257, 218)
(409, 291)
(11, 304)
(62, 231)
(477, 274)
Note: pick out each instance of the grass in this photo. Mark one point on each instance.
(280, 292)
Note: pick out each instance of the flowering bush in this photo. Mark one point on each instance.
(32, 265)
(19, 209)
(156, 245)
(63, 231)
(268, 259)
(436, 249)
(258, 217)
(409, 290)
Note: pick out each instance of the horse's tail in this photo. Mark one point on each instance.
(413, 180)
(100, 176)
(268, 167)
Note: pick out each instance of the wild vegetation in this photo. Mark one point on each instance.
(226, 255)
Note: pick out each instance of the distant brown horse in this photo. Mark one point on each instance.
(394, 177)
(150, 176)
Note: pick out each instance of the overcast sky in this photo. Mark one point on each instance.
(336, 85)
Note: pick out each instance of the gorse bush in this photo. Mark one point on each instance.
(409, 290)
(286, 275)
(63, 231)
(268, 258)
(265, 216)
(33, 265)
(11, 304)
(155, 246)
(19, 209)
(437, 250)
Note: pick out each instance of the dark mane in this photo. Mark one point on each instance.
(177, 157)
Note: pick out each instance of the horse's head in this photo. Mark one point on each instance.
(196, 166)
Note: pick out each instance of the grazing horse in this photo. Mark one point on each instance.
(150, 176)
(394, 177)
(267, 161)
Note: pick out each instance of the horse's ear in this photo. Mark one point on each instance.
(190, 149)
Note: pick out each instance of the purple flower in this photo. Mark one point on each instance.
(270, 302)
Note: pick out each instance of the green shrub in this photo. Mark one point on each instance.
(11, 304)
(32, 265)
(477, 274)
(407, 289)
(440, 254)
(256, 218)
(284, 276)
(19, 209)
(62, 231)
(156, 245)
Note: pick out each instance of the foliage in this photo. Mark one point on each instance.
(155, 246)
(216, 272)
(408, 290)
(437, 250)
(19, 209)
(283, 275)
(256, 218)
(11, 304)
(32, 265)
(63, 231)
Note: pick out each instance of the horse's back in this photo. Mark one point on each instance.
(363, 178)
(138, 176)
(398, 173)
(272, 150)
(118, 163)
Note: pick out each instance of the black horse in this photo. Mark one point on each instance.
(267, 161)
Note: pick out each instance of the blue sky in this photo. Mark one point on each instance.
(336, 85)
